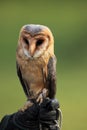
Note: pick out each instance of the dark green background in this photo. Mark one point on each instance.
(68, 22)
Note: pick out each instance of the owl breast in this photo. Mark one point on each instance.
(33, 75)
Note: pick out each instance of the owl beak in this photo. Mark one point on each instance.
(32, 48)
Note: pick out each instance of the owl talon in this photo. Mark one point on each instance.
(26, 106)
(40, 98)
(45, 93)
(42, 95)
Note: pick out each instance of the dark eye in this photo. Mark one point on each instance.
(39, 42)
(26, 41)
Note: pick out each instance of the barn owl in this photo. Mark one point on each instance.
(36, 63)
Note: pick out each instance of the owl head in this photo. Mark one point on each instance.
(34, 41)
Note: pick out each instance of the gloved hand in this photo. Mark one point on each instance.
(49, 114)
(37, 117)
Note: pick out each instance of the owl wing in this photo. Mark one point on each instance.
(23, 83)
(51, 77)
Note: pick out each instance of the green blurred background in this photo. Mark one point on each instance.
(68, 22)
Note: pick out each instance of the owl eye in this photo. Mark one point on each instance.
(26, 41)
(39, 42)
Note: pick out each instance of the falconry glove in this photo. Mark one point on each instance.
(44, 116)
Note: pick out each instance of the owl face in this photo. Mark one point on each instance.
(34, 40)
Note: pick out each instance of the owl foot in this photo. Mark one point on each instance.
(42, 95)
(26, 106)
